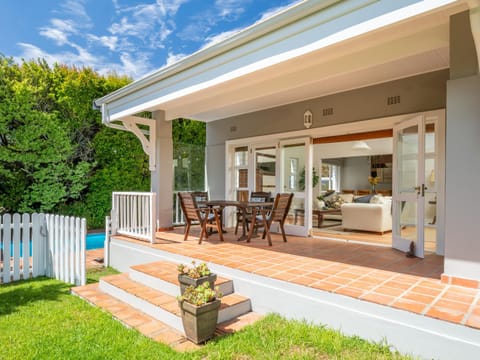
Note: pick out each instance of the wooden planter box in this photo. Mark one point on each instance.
(186, 281)
(199, 322)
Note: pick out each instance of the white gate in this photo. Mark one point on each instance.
(38, 244)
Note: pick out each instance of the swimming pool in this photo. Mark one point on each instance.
(94, 241)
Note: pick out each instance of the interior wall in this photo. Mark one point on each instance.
(355, 172)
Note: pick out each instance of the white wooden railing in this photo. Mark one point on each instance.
(133, 214)
(42, 245)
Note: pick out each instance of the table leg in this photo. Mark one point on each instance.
(252, 225)
(319, 220)
(244, 225)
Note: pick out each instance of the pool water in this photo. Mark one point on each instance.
(94, 241)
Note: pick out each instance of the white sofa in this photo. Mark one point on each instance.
(367, 216)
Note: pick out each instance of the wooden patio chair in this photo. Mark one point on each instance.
(207, 217)
(278, 213)
(255, 196)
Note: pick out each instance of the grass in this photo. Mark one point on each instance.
(39, 319)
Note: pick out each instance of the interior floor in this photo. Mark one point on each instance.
(385, 239)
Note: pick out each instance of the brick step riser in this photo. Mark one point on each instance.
(167, 287)
(143, 305)
(165, 316)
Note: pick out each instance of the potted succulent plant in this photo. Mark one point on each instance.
(195, 275)
(199, 307)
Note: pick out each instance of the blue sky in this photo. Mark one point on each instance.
(126, 36)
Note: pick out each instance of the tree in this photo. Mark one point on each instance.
(36, 168)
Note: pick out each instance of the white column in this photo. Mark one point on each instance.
(162, 177)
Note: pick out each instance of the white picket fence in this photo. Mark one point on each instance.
(42, 245)
(133, 214)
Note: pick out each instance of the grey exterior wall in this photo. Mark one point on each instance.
(419, 93)
(462, 245)
(462, 165)
(463, 60)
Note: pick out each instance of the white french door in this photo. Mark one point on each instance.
(418, 185)
(295, 177)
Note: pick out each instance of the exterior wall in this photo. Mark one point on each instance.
(215, 162)
(463, 60)
(462, 245)
(462, 248)
(419, 93)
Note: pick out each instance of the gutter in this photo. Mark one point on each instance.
(287, 16)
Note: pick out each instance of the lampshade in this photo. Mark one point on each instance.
(360, 145)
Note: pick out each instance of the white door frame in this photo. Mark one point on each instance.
(421, 120)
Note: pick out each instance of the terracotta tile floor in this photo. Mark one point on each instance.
(377, 274)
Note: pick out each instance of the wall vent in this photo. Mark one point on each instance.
(392, 100)
(328, 111)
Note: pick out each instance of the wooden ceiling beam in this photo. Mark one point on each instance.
(378, 134)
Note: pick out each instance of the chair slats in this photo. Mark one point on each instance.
(279, 213)
(207, 217)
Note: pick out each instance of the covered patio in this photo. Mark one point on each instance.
(376, 274)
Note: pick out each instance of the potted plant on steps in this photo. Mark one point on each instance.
(199, 308)
(194, 276)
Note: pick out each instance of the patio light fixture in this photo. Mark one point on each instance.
(360, 145)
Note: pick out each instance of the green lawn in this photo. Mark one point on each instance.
(39, 319)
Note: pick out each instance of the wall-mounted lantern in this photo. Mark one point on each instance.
(308, 119)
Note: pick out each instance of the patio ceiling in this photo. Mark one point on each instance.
(276, 69)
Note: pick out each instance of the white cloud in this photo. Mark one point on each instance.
(77, 9)
(59, 31)
(215, 39)
(276, 10)
(56, 35)
(110, 42)
(173, 58)
(134, 67)
(151, 23)
(231, 8)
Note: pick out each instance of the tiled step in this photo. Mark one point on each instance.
(131, 317)
(162, 306)
(163, 276)
(151, 327)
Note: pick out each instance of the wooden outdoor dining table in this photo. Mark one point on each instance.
(243, 206)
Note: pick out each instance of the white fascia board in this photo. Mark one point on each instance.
(317, 31)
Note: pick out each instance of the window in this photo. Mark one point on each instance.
(330, 177)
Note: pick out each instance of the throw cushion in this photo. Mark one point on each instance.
(348, 198)
(363, 199)
(334, 202)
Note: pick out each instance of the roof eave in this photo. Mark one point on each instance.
(287, 16)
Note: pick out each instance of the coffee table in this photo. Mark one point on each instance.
(318, 213)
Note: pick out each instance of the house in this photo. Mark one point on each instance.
(323, 72)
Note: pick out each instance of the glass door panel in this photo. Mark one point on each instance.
(265, 169)
(430, 188)
(295, 176)
(409, 189)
